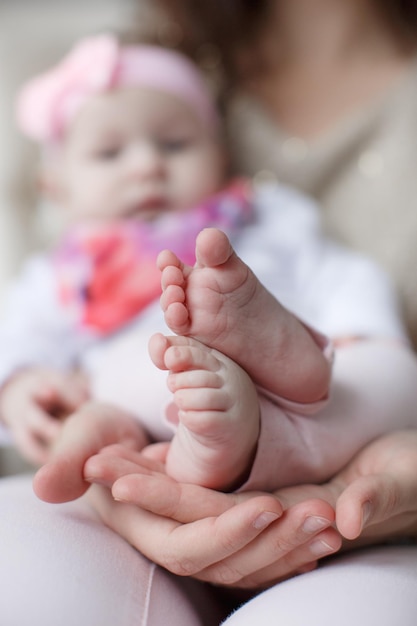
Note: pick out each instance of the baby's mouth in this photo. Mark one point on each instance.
(147, 208)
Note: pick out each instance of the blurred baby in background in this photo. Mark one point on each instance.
(132, 157)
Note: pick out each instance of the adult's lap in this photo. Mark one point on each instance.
(60, 564)
(376, 587)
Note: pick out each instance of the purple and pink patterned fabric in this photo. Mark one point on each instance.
(106, 272)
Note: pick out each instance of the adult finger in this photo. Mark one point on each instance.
(140, 480)
(187, 549)
(116, 461)
(83, 434)
(374, 505)
(298, 561)
(160, 494)
(293, 543)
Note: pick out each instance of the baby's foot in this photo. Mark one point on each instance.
(221, 303)
(217, 412)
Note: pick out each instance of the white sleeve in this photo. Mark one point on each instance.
(34, 328)
(332, 288)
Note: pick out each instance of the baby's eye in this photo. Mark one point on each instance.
(107, 153)
(175, 144)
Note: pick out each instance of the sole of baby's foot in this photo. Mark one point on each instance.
(204, 301)
(216, 410)
(221, 303)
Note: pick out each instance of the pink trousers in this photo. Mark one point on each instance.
(60, 565)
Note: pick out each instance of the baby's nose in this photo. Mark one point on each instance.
(145, 160)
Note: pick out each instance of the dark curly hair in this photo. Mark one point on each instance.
(225, 26)
(231, 26)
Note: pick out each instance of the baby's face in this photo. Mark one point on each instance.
(137, 153)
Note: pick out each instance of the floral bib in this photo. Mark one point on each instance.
(106, 273)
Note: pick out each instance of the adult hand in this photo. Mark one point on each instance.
(238, 540)
(34, 403)
(378, 490)
(84, 433)
(375, 495)
(214, 536)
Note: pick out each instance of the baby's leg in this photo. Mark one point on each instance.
(217, 413)
(221, 303)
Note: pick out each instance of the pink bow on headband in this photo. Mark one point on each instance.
(48, 101)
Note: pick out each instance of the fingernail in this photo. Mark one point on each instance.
(264, 519)
(366, 512)
(319, 547)
(96, 481)
(313, 524)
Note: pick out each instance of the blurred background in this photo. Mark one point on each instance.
(34, 34)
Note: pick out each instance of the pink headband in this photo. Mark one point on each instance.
(48, 102)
